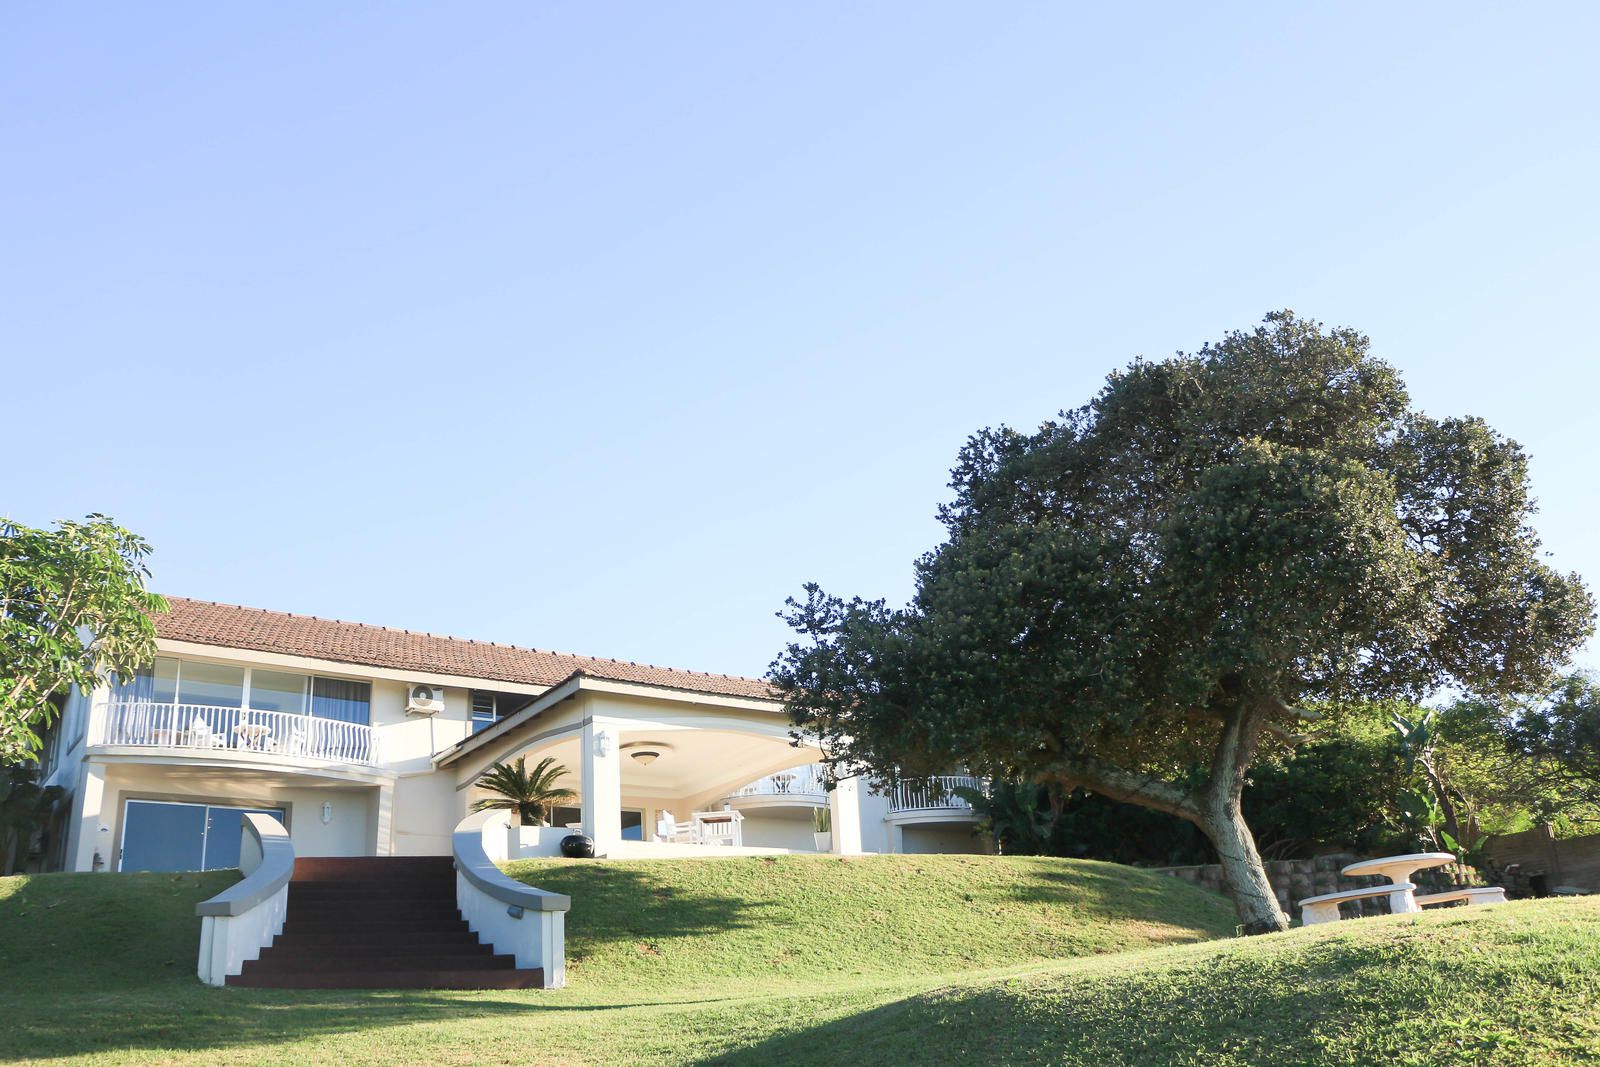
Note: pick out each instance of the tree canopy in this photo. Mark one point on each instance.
(1136, 597)
(73, 605)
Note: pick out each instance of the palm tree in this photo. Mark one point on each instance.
(531, 794)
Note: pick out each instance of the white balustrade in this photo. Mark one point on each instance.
(209, 728)
(802, 782)
(934, 794)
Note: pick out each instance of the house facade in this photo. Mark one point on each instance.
(369, 741)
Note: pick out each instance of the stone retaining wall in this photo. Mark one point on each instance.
(1294, 880)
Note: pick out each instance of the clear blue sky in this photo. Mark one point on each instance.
(602, 328)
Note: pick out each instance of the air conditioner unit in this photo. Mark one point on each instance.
(425, 700)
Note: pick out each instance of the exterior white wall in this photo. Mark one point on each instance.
(874, 811)
(765, 829)
(407, 742)
(941, 839)
(427, 808)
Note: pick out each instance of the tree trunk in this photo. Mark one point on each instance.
(1242, 870)
(1222, 820)
(1215, 810)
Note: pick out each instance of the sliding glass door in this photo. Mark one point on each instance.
(162, 835)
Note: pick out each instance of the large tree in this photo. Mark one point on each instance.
(1139, 596)
(73, 605)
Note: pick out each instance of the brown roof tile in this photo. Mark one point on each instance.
(230, 626)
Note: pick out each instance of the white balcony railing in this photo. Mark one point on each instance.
(803, 783)
(935, 794)
(207, 728)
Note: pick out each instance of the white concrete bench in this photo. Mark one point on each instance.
(1473, 896)
(1325, 909)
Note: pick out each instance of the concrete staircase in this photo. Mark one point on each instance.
(379, 922)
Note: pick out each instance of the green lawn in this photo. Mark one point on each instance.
(814, 960)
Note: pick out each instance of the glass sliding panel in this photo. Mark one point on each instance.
(224, 833)
(165, 681)
(344, 701)
(163, 837)
(211, 683)
(632, 825)
(278, 691)
(159, 684)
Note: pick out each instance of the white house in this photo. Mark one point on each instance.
(367, 741)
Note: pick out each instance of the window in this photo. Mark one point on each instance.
(223, 685)
(332, 698)
(216, 685)
(278, 691)
(485, 710)
(632, 821)
(159, 684)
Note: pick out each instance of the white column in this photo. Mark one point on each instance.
(91, 794)
(844, 804)
(602, 786)
(95, 715)
(383, 843)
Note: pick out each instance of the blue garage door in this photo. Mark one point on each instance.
(159, 835)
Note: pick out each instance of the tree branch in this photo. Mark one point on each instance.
(1115, 782)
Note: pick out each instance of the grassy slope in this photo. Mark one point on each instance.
(968, 981)
(706, 926)
(1517, 984)
(121, 951)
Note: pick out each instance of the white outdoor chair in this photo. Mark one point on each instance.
(667, 830)
(201, 735)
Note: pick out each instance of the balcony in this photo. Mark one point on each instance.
(204, 729)
(934, 798)
(800, 786)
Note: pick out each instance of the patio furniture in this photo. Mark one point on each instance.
(1399, 869)
(201, 735)
(1325, 909)
(668, 831)
(253, 735)
(718, 828)
(1472, 896)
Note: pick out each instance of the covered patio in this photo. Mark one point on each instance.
(653, 768)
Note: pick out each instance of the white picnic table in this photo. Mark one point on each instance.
(1399, 869)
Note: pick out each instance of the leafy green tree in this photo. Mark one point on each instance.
(73, 606)
(1141, 597)
(531, 794)
(24, 807)
(1559, 736)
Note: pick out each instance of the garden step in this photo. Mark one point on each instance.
(323, 940)
(433, 961)
(371, 926)
(369, 867)
(532, 978)
(457, 944)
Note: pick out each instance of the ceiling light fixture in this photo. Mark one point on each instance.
(645, 756)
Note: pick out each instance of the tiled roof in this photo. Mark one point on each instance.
(230, 626)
